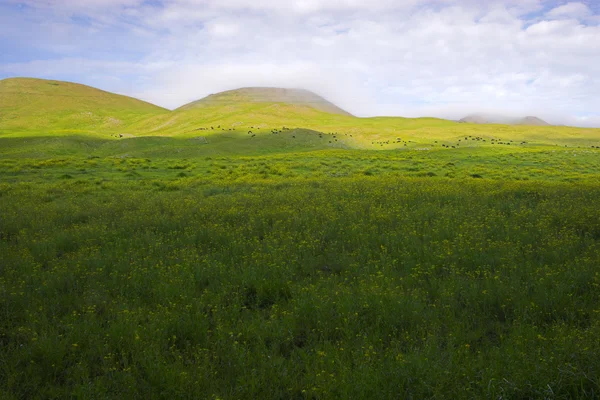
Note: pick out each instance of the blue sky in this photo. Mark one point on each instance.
(445, 58)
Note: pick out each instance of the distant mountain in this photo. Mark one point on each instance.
(28, 103)
(533, 121)
(294, 97)
(500, 119)
(478, 119)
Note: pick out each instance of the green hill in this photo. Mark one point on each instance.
(249, 109)
(28, 104)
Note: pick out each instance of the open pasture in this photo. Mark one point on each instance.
(310, 274)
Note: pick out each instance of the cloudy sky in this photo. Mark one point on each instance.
(444, 58)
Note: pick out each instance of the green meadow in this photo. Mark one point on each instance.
(245, 249)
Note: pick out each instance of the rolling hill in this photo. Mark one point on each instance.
(251, 118)
(28, 104)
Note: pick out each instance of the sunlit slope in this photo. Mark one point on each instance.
(45, 106)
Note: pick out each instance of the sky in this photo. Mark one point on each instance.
(412, 58)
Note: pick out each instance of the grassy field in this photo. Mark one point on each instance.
(214, 264)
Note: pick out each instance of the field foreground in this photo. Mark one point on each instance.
(310, 275)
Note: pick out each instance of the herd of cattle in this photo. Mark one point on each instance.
(333, 137)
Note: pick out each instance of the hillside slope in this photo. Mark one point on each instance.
(28, 104)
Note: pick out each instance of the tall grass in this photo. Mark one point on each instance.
(332, 287)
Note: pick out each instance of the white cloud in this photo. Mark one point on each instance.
(570, 10)
(223, 29)
(70, 5)
(437, 57)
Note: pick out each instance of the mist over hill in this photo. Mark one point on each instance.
(502, 119)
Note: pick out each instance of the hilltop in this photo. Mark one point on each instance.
(34, 104)
(500, 119)
(294, 97)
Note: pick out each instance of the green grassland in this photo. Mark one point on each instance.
(160, 258)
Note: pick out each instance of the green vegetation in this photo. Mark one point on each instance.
(221, 265)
